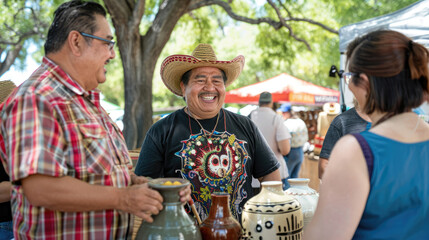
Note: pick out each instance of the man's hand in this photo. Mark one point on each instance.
(144, 202)
(185, 194)
(141, 201)
(138, 179)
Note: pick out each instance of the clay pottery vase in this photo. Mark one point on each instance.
(172, 222)
(272, 215)
(220, 224)
(305, 195)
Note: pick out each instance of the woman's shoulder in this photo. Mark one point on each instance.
(341, 157)
(407, 131)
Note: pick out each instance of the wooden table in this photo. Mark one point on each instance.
(310, 170)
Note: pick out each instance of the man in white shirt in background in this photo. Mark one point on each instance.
(275, 133)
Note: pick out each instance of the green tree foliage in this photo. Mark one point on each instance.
(22, 23)
(348, 12)
(283, 53)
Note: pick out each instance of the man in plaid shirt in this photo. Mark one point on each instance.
(67, 160)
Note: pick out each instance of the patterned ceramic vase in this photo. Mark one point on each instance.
(272, 215)
(305, 195)
(220, 225)
(172, 222)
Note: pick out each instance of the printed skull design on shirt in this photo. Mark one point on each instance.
(216, 164)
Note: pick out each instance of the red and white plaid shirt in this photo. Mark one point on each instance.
(50, 125)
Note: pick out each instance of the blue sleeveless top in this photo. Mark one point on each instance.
(398, 201)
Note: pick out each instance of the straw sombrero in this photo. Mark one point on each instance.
(174, 66)
(6, 87)
(331, 108)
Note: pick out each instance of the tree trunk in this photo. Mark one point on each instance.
(139, 55)
(10, 58)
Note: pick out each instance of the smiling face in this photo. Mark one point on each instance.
(205, 92)
(96, 55)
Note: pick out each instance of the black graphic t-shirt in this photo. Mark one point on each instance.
(345, 123)
(223, 161)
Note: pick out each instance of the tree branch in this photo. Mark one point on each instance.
(10, 58)
(120, 12)
(138, 14)
(39, 26)
(21, 38)
(233, 15)
(283, 22)
(291, 18)
(164, 23)
(285, 8)
(315, 23)
(275, 24)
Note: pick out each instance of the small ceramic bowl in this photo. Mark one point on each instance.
(170, 193)
(158, 183)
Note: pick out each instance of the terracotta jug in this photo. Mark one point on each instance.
(272, 214)
(305, 195)
(220, 224)
(172, 222)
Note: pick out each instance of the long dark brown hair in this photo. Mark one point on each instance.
(397, 68)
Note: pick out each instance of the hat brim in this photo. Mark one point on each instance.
(174, 66)
(6, 87)
(335, 110)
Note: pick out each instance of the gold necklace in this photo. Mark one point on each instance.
(204, 130)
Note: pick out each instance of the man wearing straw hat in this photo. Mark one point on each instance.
(67, 160)
(216, 150)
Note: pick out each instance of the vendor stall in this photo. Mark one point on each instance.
(284, 88)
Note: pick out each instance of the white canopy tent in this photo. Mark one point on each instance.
(413, 21)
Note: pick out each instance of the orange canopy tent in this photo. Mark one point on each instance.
(284, 88)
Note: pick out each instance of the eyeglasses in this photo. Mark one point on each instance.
(111, 43)
(348, 76)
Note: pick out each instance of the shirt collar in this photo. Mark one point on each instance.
(67, 81)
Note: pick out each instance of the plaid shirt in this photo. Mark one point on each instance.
(50, 125)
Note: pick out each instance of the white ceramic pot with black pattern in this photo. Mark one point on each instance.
(272, 215)
(305, 195)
